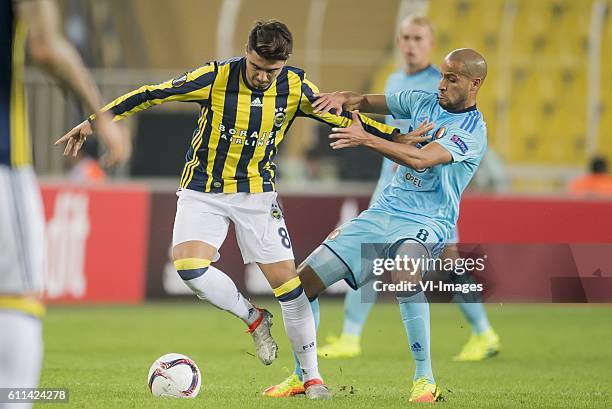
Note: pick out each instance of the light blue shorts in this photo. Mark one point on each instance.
(386, 231)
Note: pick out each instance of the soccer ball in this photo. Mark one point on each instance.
(174, 376)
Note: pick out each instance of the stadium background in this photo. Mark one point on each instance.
(546, 102)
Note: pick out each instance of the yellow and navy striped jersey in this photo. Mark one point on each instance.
(239, 128)
(15, 145)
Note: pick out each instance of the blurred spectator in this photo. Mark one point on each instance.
(597, 183)
(86, 167)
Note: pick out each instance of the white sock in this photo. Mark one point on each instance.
(300, 328)
(21, 352)
(217, 288)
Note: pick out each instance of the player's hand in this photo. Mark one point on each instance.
(327, 101)
(75, 138)
(351, 136)
(418, 135)
(110, 133)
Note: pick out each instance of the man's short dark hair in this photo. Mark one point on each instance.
(599, 164)
(271, 39)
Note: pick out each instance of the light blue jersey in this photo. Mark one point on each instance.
(438, 189)
(426, 80)
(418, 205)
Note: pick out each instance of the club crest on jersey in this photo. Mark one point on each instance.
(333, 234)
(177, 82)
(460, 143)
(440, 133)
(279, 116)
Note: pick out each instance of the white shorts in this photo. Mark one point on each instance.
(258, 219)
(22, 232)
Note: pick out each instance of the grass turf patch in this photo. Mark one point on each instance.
(552, 356)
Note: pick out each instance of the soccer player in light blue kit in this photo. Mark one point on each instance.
(415, 43)
(417, 213)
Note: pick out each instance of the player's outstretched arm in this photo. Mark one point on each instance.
(403, 153)
(50, 50)
(340, 118)
(193, 86)
(115, 138)
(349, 101)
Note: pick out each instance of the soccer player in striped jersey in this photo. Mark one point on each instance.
(22, 258)
(415, 41)
(247, 105)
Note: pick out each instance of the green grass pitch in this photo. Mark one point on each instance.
(552, 356)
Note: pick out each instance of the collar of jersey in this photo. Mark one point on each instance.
(463, 111)
(419, 72)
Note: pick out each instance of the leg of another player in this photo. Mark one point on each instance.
(473, 312)
(356, 312)
(21, 350)
(484, 342)
(414, 310)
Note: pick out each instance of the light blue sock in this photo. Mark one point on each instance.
(415, 316)
(316, 311)
(356, 310)
(473, 310)
(476, 315)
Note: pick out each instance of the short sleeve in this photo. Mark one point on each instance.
(403, 104)
(461, 145)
